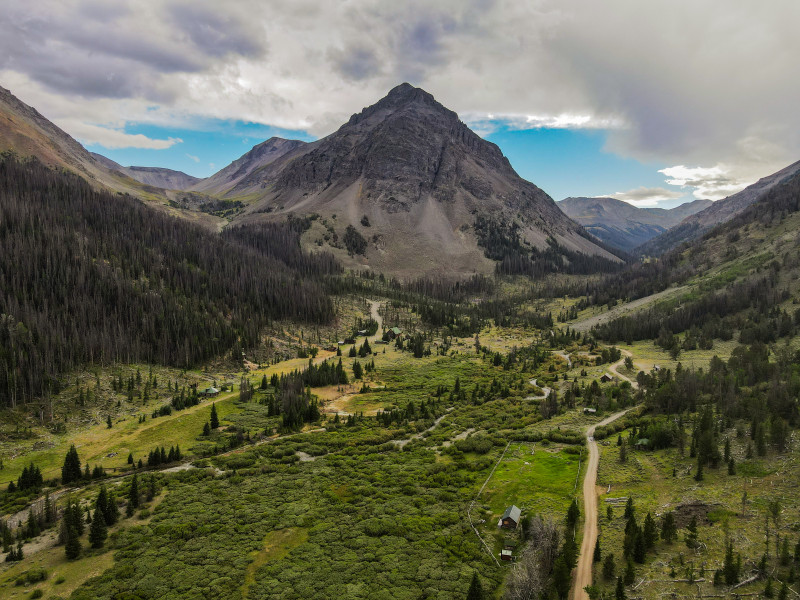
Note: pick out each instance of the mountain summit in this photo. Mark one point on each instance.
(425, 193)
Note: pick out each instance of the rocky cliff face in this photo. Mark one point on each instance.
(421, 178)
(248, 166)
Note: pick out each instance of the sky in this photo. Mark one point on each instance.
(654, 103)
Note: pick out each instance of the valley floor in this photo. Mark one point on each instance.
(354, 506)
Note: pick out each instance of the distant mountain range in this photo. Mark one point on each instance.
(622, 225)
(404, 187)
(155, 176)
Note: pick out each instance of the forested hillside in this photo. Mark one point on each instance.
(89, 276)
(742, 274)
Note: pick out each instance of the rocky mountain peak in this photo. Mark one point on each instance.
(401, 99)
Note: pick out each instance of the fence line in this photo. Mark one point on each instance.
(469, 510)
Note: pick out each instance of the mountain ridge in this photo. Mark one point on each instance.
(420, 178)
(623, 225)
(161, 177)
(721, 211)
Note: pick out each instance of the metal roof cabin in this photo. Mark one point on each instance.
(210, 391)
(510, 518)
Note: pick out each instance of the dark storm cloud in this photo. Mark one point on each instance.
(214, 32)
(113, 50)
(356, 63)
(710, 87)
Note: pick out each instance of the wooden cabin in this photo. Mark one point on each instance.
(510, 518)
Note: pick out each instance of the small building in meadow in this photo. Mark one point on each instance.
(606, 378)
(510, 518)
(209, 392)
(507, 554)
(589, 411)
(642, 444)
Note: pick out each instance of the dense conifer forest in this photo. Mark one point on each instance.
(89, 276)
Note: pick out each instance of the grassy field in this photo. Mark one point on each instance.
(649, 479)
(318, 507)
(110, 447)
(539, 479)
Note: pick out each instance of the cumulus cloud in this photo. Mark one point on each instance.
(485, 124)
(677, 82)
(88, 133)
(647, 196)
(711, 183)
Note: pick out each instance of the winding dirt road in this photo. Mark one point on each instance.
(583, 572)
(615, 368)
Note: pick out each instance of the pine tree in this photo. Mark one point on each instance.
(619, 593)
(608, 566)
(214, 420)
(630, 573)
(650, 532)
(475, 591)
(573, 514)
(130, 458)
(206, 429)
(669, 531)
(72, 548)
(71, 471)
(133, 495)
(629, 508)
(101, 502)
(691, 536)
(730, 568)
(49, 513)
(768, 592)
(111, 511)
(783, 594)
(639, 548)
(108, 421)
(73, 516)
(562, 578)
(698, 476)
(570, 551)
(598, 554)
(98, 532)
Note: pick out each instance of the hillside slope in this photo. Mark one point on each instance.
(87, 276)
(256, 159)
(720, 211)
(742, 280)
(623, 225)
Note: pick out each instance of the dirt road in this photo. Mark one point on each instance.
(615, 368)
(624, 309)
(583, 572)
(544, 389)
(374, 306)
